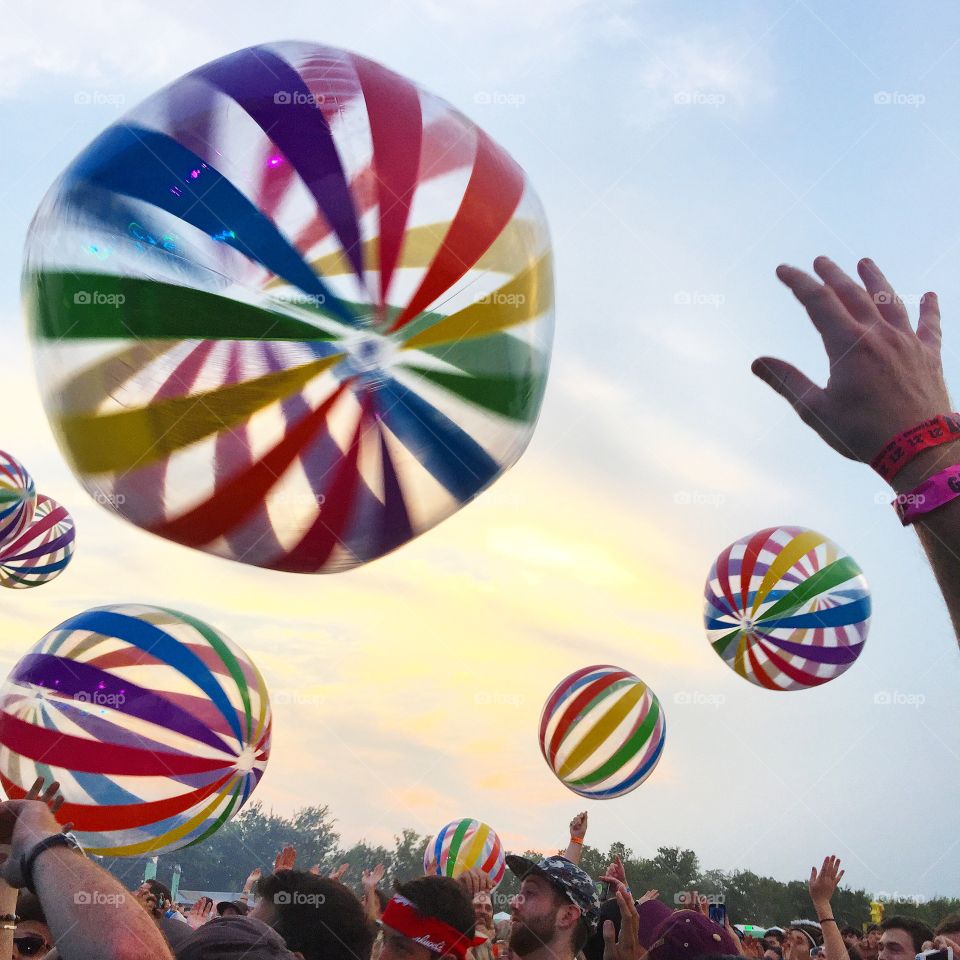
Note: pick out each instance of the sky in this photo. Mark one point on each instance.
(681, 152)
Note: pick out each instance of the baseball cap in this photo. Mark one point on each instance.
(688, 933)
(225, 937)
(237, 905)
(565, 877)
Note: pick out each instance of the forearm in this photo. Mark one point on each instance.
(833, 945)
(91, 916)
(370, 905)
(574, 851)
(939, 530)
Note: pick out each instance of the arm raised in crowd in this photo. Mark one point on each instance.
(578, 830)
(90, 915)
(823, 884)
(885, 378)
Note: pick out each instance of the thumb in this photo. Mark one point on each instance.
(795, 387)
(609, 933)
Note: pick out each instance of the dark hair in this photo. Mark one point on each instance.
(949, 924)
(318, 917)
(159, 890)
(844, 931)
(383, 898)
(854, 953)
(918, 930)
(874, 927)
(583, 929)
(777, 950)
(609, 910)
(29, 908)
(442, 898)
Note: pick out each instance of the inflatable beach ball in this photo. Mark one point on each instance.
(18, 497)
(156, 725)
(291, 310)
(465, 845)
(602, 732)
(786, 608)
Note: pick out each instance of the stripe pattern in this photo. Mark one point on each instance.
(292, 310)
(465, 845)
(18, 498)
(786, 608)
(602, 732)
(42, 551)
(156, 725)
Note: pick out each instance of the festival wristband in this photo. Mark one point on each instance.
(438, 937)
(577, 840)
(896, 454)
(932, 494)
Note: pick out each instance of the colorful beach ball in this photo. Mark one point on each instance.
(786, 608)
(291, 310)
(602, 732)
(156, 725)
(43, 549)
(465, 845)
(18, 497)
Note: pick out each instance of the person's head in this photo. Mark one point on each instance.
(902, 938)
(318, 918)
(773, 953)
(235, 937)
(851, 936)
(31, 937)
(798, 942)
(689, 935)
(774, 937)
(853, 952)
(427, 918)
(949, 926)
(155, 896)
(872, 937)
(556, 909)
(232, 908)
(483, 909)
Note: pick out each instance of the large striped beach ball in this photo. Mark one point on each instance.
(292, 309)
(18, 497)
(602, 731)
(156, 725)
(465, 845)
(786, 608)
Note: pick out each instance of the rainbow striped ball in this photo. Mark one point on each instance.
(156, 725)
(602, 732)
(786, 608)
(291, 310)
(465, 845)
(42, 551)
(18, 497)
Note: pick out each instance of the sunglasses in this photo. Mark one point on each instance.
(31, 946)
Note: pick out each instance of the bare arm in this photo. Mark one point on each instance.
(822, 885)
(91, 916)
(578, 830)
(885, 377)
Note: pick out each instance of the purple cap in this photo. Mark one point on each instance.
(686, 934)
(652, 914)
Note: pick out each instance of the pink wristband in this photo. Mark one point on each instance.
(932, 494)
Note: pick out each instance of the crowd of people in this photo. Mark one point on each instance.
(60, 904)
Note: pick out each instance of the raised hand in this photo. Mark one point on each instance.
(884, 376)
(649, 895)
(339, 872)
(578, 825)
(370, 879)
(200, 912)
(286, 859)
(626, 946)
(615, 873)
(822, 884)
(474, 881)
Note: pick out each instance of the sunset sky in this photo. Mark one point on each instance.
(681, 152)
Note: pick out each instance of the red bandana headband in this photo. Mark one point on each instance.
(438, 937)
